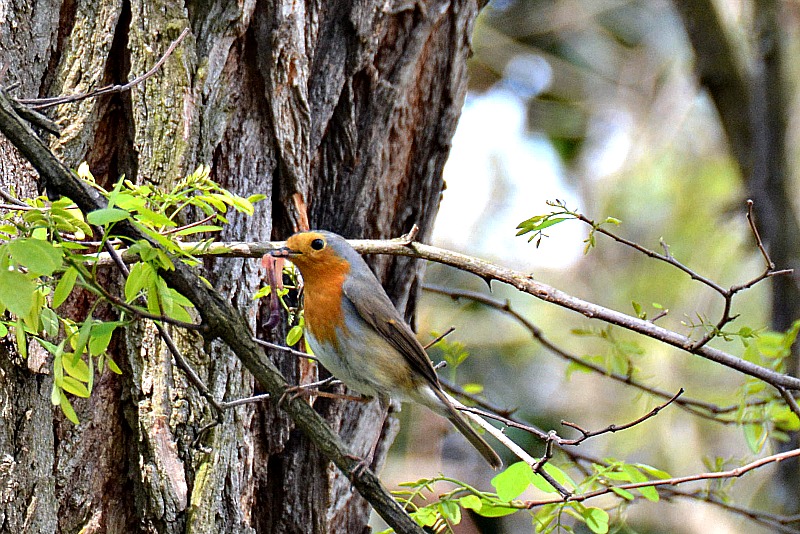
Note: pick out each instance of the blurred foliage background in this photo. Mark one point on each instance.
(609, 105)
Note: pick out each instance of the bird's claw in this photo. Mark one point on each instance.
(362, 464)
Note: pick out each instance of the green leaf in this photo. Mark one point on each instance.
(33, 319)
(79, 343)
(68, 410)
(101, 337)
(107, 215)
(471, 502)
(90, 381)
(64, 286)
(573, 367)
(756, 436)
(560, 476)
(425, 517)
(178, 313)
(492, 510)
(16, 292)
(472, 388)
(49, 320)
(40, 257)
(76, 368)
(71, 385)
(112, 196)
(19, 334)
(513, 481)
(783, 418)
(129, 202)
(451, 511)
(541, 483)
(55, 395)
(648, 492)
(113, 366)
(142, 275)
(199, 229)
(653, 471)
(154, 218)
(625, 494)
(534, 226)
(294, 335)
(596, 519)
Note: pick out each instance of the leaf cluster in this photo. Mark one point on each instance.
(46, 253)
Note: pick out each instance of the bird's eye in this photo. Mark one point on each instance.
(318, 244)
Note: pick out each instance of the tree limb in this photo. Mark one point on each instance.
(523, 282)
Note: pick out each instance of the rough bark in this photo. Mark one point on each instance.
(351, 104)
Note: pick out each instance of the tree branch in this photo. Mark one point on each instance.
(699, 408)
(522, 282)
(732, 473)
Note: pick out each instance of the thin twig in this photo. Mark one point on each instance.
(440, 337)
(11, 199)
(757, 235)
(190, 225)
(41, 103)
(775, 521)
(524, 283)
(287, 350)
(696, 407)
(732, 473)
(552, 436)
(246, 400)
(615, 428)
(666, 257)
(726, 294)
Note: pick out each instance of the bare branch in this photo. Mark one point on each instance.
(732, 473)
(759, 243)
(553, 437)
(706, 410)
(440, 337)
(522, 282)
(615, 428)
(41, 103)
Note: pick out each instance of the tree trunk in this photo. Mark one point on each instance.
(350, 104)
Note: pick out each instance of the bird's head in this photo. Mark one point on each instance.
(317, 251)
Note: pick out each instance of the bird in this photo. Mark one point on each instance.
(355, 331)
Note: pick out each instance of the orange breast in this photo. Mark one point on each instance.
(323, 298)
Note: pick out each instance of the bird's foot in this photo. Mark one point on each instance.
(362, 464)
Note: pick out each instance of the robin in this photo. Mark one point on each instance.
(357, 334)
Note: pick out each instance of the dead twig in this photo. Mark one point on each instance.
(732, 473)
(42, 103)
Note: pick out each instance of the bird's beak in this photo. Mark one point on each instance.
(283, 252)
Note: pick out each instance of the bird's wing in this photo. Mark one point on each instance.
(379, 312)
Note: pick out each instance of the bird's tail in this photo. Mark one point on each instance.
(463, 426)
